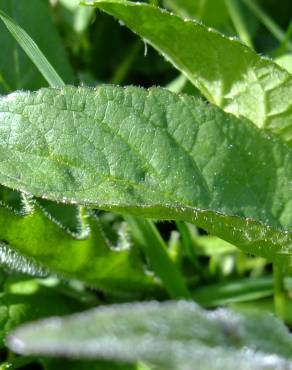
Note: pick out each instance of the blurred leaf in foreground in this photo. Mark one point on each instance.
(174, 335)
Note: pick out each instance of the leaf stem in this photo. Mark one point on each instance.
(279, 291)
(188, 244)
(147, 235)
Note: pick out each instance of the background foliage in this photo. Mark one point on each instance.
(61, 258)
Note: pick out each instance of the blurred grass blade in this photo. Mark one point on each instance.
(267, 21)
(32, 50)
(238, 20)
(239, 290)
(146, 233)
(283, 45)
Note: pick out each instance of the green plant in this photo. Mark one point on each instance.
(212, 149)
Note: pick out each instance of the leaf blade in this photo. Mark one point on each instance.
(171, 335)
(192, 164)
(226, 71)
(32, 51)
(16, 68)
(87, 258)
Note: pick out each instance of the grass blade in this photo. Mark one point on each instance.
(32, 51)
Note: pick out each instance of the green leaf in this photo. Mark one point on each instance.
(174, 335)
(26, 300)
(16, 262)
(149, 153)
(66, 364)
(16, 70)
(187, 8)
(194, 163)
(285, 61)
(39, 244)
(226, 71)
(211, 12)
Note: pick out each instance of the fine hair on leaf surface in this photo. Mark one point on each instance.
(192, 163)
(111, 194)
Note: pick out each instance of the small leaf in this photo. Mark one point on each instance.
(150, 153)
(174, 335)
(227, 72)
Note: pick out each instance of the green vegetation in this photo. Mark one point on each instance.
(145, 156)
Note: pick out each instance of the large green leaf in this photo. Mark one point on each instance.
(16, 70)
(35, 242)
(150, 153)
(226, 71)
(174, 335)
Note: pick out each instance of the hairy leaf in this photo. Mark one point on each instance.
(34, 238)
(226, 71)
(150, 153)
(12, 260)
(174, 335)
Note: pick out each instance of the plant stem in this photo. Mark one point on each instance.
(279, 291)
(268, 22)
(147, 235)
(238, 21)
(188, 243)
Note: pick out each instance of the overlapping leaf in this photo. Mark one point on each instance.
(41, 244)
(151, 153)
(227, 72)
(174, 335)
